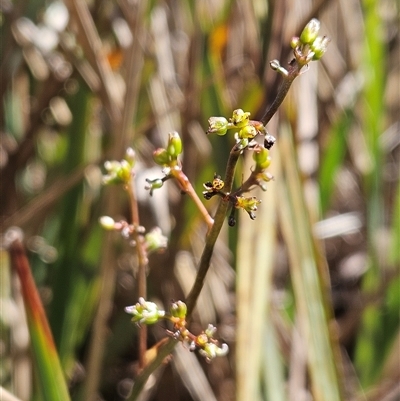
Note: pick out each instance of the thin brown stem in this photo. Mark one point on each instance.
(293, 73)
(142, 266)
(212, 236)
(187, 187)
(204, 265)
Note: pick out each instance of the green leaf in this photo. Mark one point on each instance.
(48, 366)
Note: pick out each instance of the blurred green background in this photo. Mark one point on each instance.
(307, 296)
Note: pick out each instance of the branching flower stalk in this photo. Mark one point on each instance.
(168, 159)
(123, 172)
(306, 48)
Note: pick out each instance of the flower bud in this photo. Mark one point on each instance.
(210, 331)
(178, 309)
(295, 42)
(161, 157)
(174, 147)
(130, 156)
(124, 172)
(107, 222)
(240, 118)
(217, 125)
(319, 47)
(310, 32)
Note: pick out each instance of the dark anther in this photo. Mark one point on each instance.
(269, 141)
(232, 218)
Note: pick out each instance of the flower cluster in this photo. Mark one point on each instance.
(309, 46)
(146, 312)
(168, 159)
(245, 129)
(120, 172)
(306, 48)
(248, 204)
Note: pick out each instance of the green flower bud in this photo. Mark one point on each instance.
(217, 125)
(125, 171)
(310, 32)
(210, 331)
(261, 157)
(161, 157)
(295, 42)
(240, 118)
(174, 147)
(179, 310)
(130, 156)
(248, 132)
(319, 47)
(118, 172)
(107, 222)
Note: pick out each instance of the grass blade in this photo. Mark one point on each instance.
(308, 278)
(48, 365)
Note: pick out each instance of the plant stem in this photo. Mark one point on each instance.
(187, 187)
(293, 73)
(142, 266)
(204, 265)
(212, 235)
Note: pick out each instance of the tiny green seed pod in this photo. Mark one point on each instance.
(261, 157)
